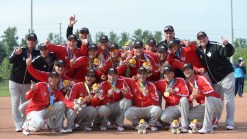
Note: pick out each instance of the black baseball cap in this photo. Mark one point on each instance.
(42, 46)
(187, 65)
(91, 73)
(167, 68)
(84, 30)
(151, 42)
(173, 42)
(113, 46)
(32, 35)
(162, 48)
(112, 70)
(169, 28)
(138, 44)
(53, 74)
(92, 46)
(141, 70)
(201, 34)
(72, 36)
(103, 38)
(60, 63)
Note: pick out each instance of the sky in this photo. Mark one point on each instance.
(188, 17)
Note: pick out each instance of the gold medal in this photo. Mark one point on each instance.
(51, 108)
(113, 88)
(166, 94)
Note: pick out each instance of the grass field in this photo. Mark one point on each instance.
(4, 88)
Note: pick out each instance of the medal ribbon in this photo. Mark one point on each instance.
(170, 85)
(87, 88)
(52, 97)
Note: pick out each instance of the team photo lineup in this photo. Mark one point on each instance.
(175, 85)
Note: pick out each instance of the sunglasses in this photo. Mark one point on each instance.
(113, 50)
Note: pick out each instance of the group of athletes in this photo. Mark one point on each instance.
(158, 82)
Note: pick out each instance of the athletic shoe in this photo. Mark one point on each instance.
(62, 131)
(154, 128)
(229, 127)
(202, 131)
(69, 130)
(18, 130)
(184, 130)
(120, 128)
(103, 128)
(26, 132)
(25, 129)
(87, 128)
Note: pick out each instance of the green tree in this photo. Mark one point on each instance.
(5, 69)
(124, 37)
(157, 36)
(146, 35)
(2, 51)
(137, 35)
(240, 43)
(55, 39)
(10, 39)
(113, 38)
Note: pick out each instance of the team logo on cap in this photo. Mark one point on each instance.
(162, 47)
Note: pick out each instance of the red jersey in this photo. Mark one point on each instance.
(140, 99)
(179, 90)
(40, 98)
(80, 90)
(204, 87)
(118, 94)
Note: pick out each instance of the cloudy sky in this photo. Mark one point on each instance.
(187, 16)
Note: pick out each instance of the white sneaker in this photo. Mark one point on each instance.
(62, 131)
(103, 128)
(229, 127)
(154, 128)
(202, 131)
(120, 128)
(184, 130)
(26, 132)
(69, 130)
(87, 128)
(18, 130)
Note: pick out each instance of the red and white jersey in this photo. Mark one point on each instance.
(204, 87)
(80, 90)
(139, 98)
(118, 94)
(40, 98)
(179, 90)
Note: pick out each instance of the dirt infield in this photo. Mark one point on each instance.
(7, 130)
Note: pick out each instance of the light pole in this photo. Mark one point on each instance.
(31, 16)
(232, 57)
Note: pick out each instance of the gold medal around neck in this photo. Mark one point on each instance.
(166, 94)
(51, 108)
(114, 88)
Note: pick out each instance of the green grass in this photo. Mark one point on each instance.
(4, 89)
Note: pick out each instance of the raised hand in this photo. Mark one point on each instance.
(72, 21)
(201, 71)
(185, 42)
(224, 41)
(124, 89)
(29, 60)
(33, 85)
(18, 50)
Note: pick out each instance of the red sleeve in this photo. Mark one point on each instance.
(170, 57)
(154, 98)
(176, 64)
(121, 69)
(58, 50)
(84, 50)
(129, 94)
(184, 92)
(30, 94)
(39, 75)
(204, 86)
(75, 90)
(103, 99)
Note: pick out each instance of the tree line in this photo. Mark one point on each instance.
(10, 41)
